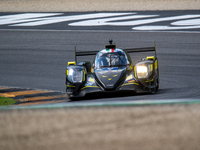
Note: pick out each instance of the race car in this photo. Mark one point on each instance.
(112, 71)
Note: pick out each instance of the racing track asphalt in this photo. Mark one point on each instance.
(37, 59)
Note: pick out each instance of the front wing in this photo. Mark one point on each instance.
(91, 87)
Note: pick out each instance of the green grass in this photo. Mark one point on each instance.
(6, 101)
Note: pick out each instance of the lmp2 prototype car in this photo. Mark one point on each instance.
(112, 71)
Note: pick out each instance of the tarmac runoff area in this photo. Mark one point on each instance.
(96, 5)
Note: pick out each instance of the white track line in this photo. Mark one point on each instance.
(103, 31)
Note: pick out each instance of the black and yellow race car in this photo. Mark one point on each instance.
(112, 71)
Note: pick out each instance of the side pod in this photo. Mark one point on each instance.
(75, 77)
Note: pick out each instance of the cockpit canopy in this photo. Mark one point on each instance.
(111, 58)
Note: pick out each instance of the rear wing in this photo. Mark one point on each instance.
(144, 49)
(128, 50)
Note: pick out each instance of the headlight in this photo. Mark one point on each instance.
(142, 71)
(75, 75)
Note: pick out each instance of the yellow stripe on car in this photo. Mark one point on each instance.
(129, 84)
(150, 58)
(156, 64)
(135, 72)
(67, 72)
(83, 75)
(151, 67)
(71, 63)
(89, 86)
(70, 86)
(150, 80)
(91, 79)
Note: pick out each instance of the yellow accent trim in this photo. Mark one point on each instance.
(83, 75)
(91, 79)
(109, 78)
(156, 64)
(89, 86)
(71, 63)
(151, 67)
(115, 75)
(150, 57)
(104, 76)
(149, 80)
(131, 66)
(135, 72)
(67, 72)
(129, 84)
(129, 77)
(70, 86)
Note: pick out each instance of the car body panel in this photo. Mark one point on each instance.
(112, 71)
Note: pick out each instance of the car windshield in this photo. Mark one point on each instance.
(113, 59)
